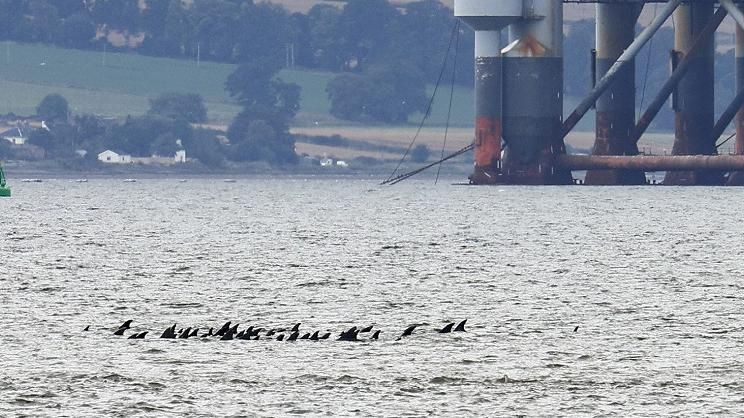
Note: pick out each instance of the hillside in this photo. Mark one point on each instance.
(116, 84)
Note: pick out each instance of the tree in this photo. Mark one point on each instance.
(11, 15)
(154, 15)
(203, 146)
(420, 153)
(137, 135)
(76, 31)
(216, 25)
(42, 139)
(263, 31)
(41, 22)
(53, 107)
(70, 7)
(119, 14)
(349, 96)
(5, 149)
(268, 102)
(387, 94)
(90, 133)
(189, 107)
(322, 21)
(166, 145)
(364, 26)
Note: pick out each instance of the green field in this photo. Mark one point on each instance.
(116, 84)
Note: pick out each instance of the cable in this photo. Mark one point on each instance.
(455, 28)
(410, 174)
(449, 109)
(726, 140)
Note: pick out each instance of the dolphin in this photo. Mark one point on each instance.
(447, 328)
(125, 326)
(223, 330)
(169, 332)
(408, 331)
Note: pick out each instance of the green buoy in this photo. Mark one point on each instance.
(4, 190)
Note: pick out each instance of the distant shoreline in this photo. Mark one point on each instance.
(18, 170)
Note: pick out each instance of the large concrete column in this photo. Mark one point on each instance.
(616, 107)
(694, 107)
(737, 178)
(533, 96)
(488, 18)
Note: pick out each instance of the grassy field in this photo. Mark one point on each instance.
(116, 84)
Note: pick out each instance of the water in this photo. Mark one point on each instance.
(652, 277)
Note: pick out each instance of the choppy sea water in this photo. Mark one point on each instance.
(653, 277)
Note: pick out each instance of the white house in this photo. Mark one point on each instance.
(180, 156)
(110, 157)
(14, 135)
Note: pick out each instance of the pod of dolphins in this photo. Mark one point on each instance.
(229, 331)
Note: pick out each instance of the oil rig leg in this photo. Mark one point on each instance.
(488, 80)
(615, 118)
(694, 99)
(533, 97)
(736, 178)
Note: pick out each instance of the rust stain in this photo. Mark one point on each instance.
(487, 141)
(531, 47)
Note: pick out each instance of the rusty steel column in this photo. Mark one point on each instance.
(533, 96)
(694, 107)
(736, 178)
(487, 18)
(488, 99)
(616, 107)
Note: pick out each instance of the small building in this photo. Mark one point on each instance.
(15, 136)
(180, 156)
(111, 157)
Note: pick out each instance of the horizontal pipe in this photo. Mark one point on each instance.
(652, 163)
(624, 59)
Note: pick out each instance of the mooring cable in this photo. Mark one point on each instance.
(455, 29)
(449, 109)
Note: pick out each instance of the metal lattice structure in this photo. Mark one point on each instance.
(520, 131)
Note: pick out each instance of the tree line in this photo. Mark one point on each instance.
(167, 126)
